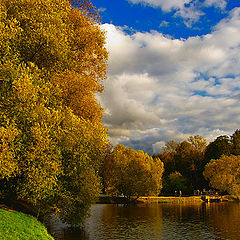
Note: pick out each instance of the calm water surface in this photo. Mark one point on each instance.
(156, 221)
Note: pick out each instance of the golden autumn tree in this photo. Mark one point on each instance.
(52, 142)
(132, 173)
(224, 174)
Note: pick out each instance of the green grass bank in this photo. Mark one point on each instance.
(19, 226)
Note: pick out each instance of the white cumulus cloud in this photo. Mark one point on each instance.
(167, 6)
(216, 3)
(189, 10)
(160, 88)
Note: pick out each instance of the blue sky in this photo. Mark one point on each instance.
(145, 17)
(173, 71)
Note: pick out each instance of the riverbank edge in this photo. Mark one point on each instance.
(19, 225)
(161, 199)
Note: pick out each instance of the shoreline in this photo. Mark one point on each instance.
(161, 199)
(170, 199)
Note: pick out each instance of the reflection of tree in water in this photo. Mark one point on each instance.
(184, 221)
(224, 217)
(75, 233)
(157, 221)
(182, 211)
(61, 231)
(132, 221)
(212, 220)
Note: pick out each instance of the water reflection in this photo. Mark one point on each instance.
(156, 221)
(128, 222)
(225, 219)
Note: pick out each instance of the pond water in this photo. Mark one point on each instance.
(156, 221)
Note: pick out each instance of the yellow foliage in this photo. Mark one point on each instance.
(132, 173)
(224, 174)
(52, 63)
(8, 160)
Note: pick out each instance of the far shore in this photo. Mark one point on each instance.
(161, 199)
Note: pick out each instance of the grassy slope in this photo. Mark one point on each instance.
(19, 226)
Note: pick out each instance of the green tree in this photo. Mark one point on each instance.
(235, 140)
(220, 146)
(224, 174)
(52, 63)
(176, 182)
(189, 161)
(168, 157)
(186, 158)
(132, 173)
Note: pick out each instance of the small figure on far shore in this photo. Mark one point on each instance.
(180, 193)
(175, 193)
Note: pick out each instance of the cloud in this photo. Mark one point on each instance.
(216, 3)
(160, 88)
(190, 14)
(164, 24)
(189, 10)
(166, 6)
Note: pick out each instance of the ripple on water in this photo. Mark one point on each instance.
(160, 222)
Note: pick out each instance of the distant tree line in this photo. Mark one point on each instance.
(193, 165)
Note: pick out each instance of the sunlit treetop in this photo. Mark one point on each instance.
(52, 141)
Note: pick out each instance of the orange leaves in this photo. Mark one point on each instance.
(77, 93)
(87, 8)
